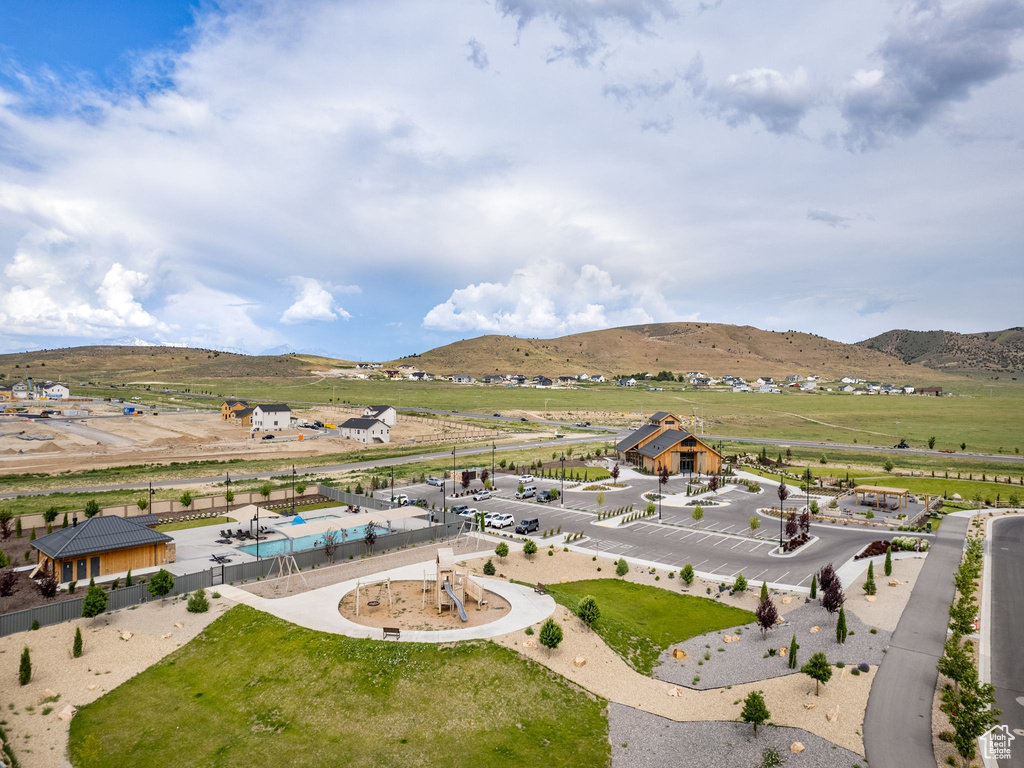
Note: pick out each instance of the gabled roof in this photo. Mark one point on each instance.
(99, 534)
(357, 423)
(662, 443)
(243, 412)
(659, 416)
(231, 402)
(641, 434)
(376, 409)
(274, 408)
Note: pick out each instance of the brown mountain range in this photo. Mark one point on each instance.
(955, 352)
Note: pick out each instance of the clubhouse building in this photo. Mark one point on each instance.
(660, 443)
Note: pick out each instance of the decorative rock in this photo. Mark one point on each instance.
(678, 654)
(579, 661)
(178, 625)
(782, 651)
(529, 643)
(126, 636)
(92, 687)
(796, 747)
(815, 629)
(833, 715)
(727, 639)
(164, 637)
(563, 581)
(895, 583)
(809, 705)
(871, 598)
(67, 713)
(674, 691)
(787, 601)
(46, 694)
(780, 620)
(735, 638)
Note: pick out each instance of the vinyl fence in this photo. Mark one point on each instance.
(124, 597)
(353, 499)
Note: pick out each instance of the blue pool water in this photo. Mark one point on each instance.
(283, 546)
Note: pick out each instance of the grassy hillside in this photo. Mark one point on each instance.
(961, 352)
(709, 347)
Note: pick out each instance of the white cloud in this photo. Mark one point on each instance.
(546, 299)
(779, 101)
(312, 302)
(207, 317)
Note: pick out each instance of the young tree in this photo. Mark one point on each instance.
(754, 710)
(755, 523)
(962, 614)
(8, 580)
(826, 575)
(805, 518)
(687, 574)
(128, 578)
(229, 496)
(370, 536)
(764, 592)
(5, 523)
(76, 647)
(741, 584)
(931, 443)
(91, 508)
(530, 547)
(841, 626)
(791, 525)
(142, 504)
(814, 586)
(50, 515)
(957, 662)
(783, 494)
(869, 582)
(550, 634)
(971, 714)
(465, 481)
(963, 446)
(95, 602)
(588, 611)
(833, 598)
(265, 490)
(501, 550)
(621, 567)
(489, 569)
(25, 668)
(332, 540)
(161, 583)
(197, 602)
(888, 466)
(767, 614)
(713, 483)
(18, 532)
(793, 647)
(818, 669)
(47, 585)
(600, 498)
(888, 561)
(186, 500)
(615, 474)
(300, 489)
(697, 514)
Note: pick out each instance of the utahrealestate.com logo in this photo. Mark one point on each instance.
(995, 743)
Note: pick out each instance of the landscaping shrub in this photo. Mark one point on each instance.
(25, 668)
(869, 582)
(687, 574)
(621, 567)
(588, 611)
(814, 586)
(841, 626)
(489, 568)
(741, 584)
(550, 634)
(95, 602)
(888, 561)
(198, 603)
(161, 583)
(76, 647)
(501, 550)
(754, 710)
(818, 669)
(793, 646)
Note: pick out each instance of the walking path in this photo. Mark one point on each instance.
(898, 722)
(318, 608)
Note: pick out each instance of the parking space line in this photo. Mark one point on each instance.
(736, 544)
(691, 533)
(762, 573)
(780, 578)
(706, 537)
(720, 540)
(804, 579)
(726, 530)
(698, 565)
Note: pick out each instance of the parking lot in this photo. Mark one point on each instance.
(722, 544)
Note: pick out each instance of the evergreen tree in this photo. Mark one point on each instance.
(814, 586)
(793, 646)
(588, 611)
(841, 626)
(869, 582)
(25, 668)
(888, 561)
(687, 574)
(550, 634)
(764, 591)
(741, 584)
(818, 669)
(754, 710)
(95, 602)
(76, 648)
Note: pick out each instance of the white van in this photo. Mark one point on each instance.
(527, 492)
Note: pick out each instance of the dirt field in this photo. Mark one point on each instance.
(169, 437)
(408, 613)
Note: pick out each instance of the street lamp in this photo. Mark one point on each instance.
(561, 493)
(293, 505)
(392, 484)
(493, 449)
(151, 497)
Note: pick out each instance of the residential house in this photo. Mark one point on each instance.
(272, 417)
(597, 377)
(807, 386)
(860, 391)
(566, 379)
(22, 390)
(496, 378)
(701, 381)
(741, 388)
(908, 390)
(927, 391)
(541, 381)
(384, 413)
(230, 408)
(848, 380)
(847, 388)
(391, 373)
(627, 382)
(6, 392)
(794, 378)
(582, 377)
(103, 545)
(461, 378)
(366, 430)
(660, 443)
(769, 389)
(243, 417)
(52, 390)
(764, 380)
(517, 380)
(648, 376)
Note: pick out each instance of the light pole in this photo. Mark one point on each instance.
(293, 502)
(561, 493)
(493, 449)
(392, 484)
(151, 497)
(453, 471)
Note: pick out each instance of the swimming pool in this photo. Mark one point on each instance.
(283, 546)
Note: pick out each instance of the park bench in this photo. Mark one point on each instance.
(540, 589)
(394, 632)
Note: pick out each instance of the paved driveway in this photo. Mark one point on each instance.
(1007, 628)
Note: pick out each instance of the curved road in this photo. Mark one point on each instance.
(1006, 628)
(898, 722)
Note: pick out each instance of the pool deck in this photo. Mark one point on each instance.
(318, 609)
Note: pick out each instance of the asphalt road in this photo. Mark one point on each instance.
(898, 722)
(1007, 628)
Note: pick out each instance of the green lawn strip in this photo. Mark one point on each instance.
(254, 687)
(639, 622)
(166, 527)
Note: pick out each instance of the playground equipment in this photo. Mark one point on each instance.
(383, 585)
(449, 588)
(286, 566)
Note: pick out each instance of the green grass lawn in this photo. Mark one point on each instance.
(639, 622)
(252, 688)
(166, 527)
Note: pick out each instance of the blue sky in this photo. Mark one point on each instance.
(376, 178)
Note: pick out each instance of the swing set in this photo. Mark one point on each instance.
(383, 587)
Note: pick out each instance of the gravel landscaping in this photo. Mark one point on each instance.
(643, 740)
(717, 663)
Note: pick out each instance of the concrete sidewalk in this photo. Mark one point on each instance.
(898, 721)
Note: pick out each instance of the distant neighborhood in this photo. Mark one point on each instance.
(374, 426)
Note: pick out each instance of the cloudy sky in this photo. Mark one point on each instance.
(375, 178)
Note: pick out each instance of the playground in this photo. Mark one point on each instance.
(407, 608)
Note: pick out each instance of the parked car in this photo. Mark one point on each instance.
(497, 415)
(469, 513)
(400, 499)
(528, 525)
(503, 520)
(523, 418)
(481, 495)
(268, 437)
(527, 492)
(459, 509)
(437, 482)
(526, 478)
(488, 516)
(544, 497)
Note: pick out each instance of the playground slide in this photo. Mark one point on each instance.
(454, 599)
